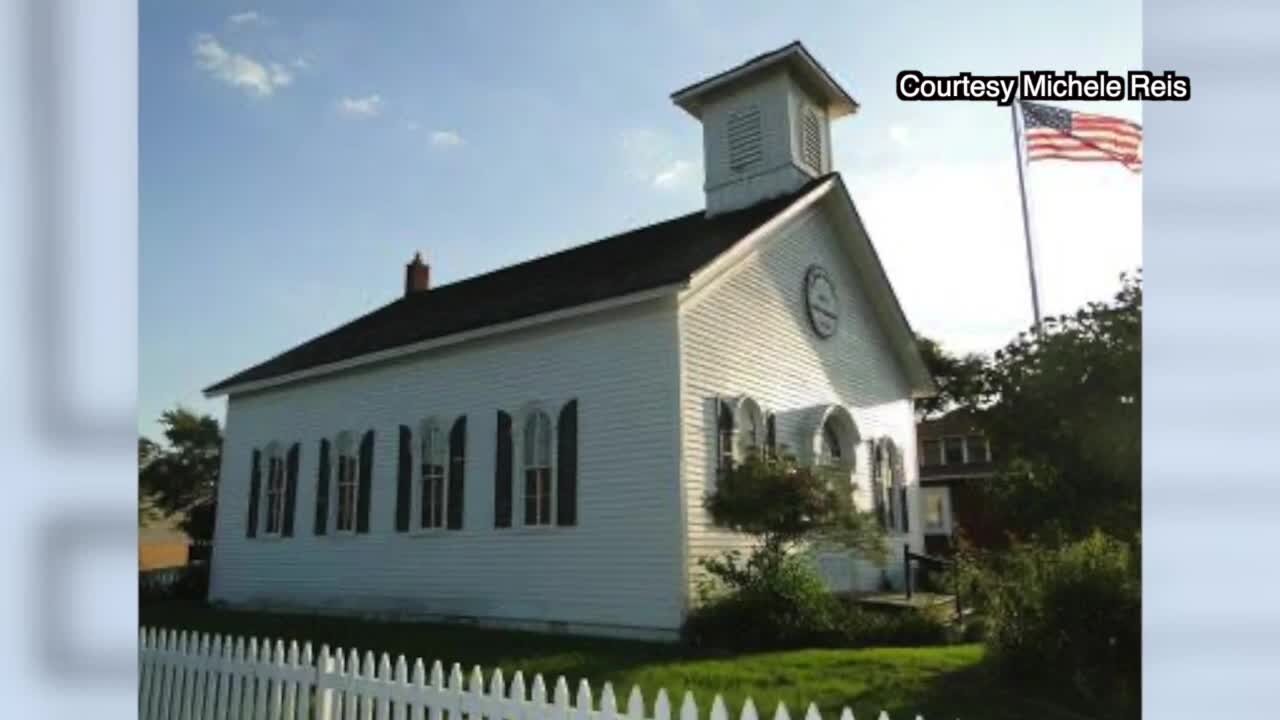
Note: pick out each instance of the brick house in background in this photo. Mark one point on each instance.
(955, 456)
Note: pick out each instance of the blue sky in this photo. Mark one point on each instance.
(294, 155)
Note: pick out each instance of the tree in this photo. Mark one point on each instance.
(147, 451)
(775, 598)
(180, 476)
(784, 504)
(959, 379)
(1065, 415)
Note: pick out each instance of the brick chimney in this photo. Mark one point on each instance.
(417, 276)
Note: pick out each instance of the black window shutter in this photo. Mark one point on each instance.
(290, 490)
(567, 465)
(900, 479)
(771, 436)
(457, 472)
(366, 483)
(404, 479)
(322, 489)
(255, 485)
(874, 451)
(502, 474)
(906, 520)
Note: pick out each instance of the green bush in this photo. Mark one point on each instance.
(770, 601)
(1068, 618)
(780, 602)
(189, 582)
(885, 628)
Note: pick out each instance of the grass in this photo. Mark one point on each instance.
(935, 682)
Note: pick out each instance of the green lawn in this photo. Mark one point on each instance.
(935, 682)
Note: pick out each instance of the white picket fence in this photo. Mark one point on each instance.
(190, 676)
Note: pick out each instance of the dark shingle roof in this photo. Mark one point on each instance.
(643, 259)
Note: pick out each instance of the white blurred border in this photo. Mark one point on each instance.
(68, 293)
(68, 325)
(1211, 493)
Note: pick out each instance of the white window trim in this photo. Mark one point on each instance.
(891, 491)
(518, 461)
(849, 436)
(964, 450)
(416, 528)
(273, 453)
(335, 470)
(744, 407)
(986, 446)
(945, 493)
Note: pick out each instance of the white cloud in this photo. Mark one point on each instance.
(950, 237)
(651, 158)
(446, 139)
(248, 17)
(281, 75)
(368, 106)
(674, 175)
(239, 70)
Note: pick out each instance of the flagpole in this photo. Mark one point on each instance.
(1026, 222)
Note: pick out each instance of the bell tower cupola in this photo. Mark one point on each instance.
(766, 126)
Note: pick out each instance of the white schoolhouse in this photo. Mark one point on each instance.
(531, 447)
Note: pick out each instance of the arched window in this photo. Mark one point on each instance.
(348, 479)
(537, 468)
(832, 452)
(835, 438)
(275, 490)
(431, 478)
(750, 423)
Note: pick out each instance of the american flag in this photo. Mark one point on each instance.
(1057, 134)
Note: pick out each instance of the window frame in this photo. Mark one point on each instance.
(346, 453)
(963, 450)
(840, 422)
(940, 491)
(890, 486)
(275, 469)
(416, 526)
(986, 447)
(527, 415)
(829, 436)
(725, 441)
(746, 411)
(924, 453)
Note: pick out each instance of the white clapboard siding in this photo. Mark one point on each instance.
(788, 371)
(623, 556)
(187, 676)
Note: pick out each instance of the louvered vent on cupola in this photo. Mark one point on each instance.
(811, 140)
(745, 151)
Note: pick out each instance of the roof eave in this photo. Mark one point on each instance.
(839, 101)
(228, 387)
